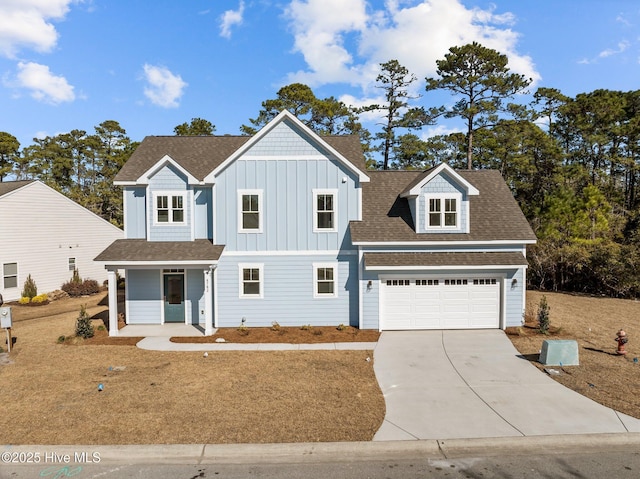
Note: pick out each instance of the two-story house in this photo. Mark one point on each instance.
(287, 226)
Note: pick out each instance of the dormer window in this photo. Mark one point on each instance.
(443, 211)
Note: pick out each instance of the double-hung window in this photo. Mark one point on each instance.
(443, 211)
(10, 275)
(325, 278)
(251, 280)
(324, 210)
(250, 211)
(169, 208)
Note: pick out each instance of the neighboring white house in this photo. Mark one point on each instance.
(46, 235)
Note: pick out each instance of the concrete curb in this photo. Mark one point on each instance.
(295, 453)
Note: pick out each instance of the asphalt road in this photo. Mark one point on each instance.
(532, 460)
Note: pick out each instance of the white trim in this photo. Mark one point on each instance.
(334, 267)
(360, 288)
(442, 268)
(284, 114)
(442, 197)
(214, 214)
(261, 282)
(170, 194)
(443, 243)
(125, 210)
(164, 264)
(289, 253)
(215, 297)
(314, 205)
(146, 176)
(258, 193)
(415, 190)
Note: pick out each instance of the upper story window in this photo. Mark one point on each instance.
(250, 211)
(443, 211)
(324, 210)
(169, 208)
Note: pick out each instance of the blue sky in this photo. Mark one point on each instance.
(151, 65)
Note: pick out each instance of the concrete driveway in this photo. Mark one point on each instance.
(472, 384)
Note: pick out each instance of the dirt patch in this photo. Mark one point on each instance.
(51, 391)
(602, 375)
(289, 335)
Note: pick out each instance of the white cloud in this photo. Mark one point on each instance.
(231, 18)
(622, 46)
(44, 85)
(345, 41)
(164, 88)
(27, 23)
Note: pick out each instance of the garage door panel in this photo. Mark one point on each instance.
(460, 304)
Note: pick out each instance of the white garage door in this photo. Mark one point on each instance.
(440, 303)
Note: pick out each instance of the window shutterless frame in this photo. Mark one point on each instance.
(251, 280)
(325, 280)
(442, 211)
(169, 208)
(325, 210)
(250, 211)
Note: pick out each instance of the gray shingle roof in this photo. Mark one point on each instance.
(495, 215)
(9, 186)
(373, 260)
(141, 250)
(200, 155)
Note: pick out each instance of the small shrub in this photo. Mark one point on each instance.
(275, 326)
(29, 290)
(84, 328)
(24, 300)
(101, 328)
(243, 329)
(341, 327)
(76, 279)
(306, 327)
(83, 288)
(543, 316)
(61, 339)
(316, 332)
(40, 299)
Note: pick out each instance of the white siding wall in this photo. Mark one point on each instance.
(40, 229)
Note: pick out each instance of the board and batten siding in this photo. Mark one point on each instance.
(287, 168)
(168, 179)
(41, 229)
(288, 292)
(135, 215)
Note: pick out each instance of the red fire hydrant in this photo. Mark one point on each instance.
(621, 339)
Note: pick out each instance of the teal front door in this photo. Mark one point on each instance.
(174, 298)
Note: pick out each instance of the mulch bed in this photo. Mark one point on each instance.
(289, 335)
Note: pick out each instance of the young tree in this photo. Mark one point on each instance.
(197, 127)
(480, 78)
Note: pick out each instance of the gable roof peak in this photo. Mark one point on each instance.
(415, 186)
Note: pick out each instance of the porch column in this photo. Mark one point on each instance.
(113, 302)
(208, 306)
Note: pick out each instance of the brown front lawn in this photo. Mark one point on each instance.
(50, 391)
(602, 375)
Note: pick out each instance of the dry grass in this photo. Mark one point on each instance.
(602, 375)
(50, 392)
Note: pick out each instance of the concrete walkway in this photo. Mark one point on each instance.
(472, 384)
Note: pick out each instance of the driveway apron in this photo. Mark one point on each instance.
(473, 384)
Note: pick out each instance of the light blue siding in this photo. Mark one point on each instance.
(370, 300)
(168, 179)
(135, 217)
(287, 181)
(203, 218)
(144, 296)
(440, 184)
(288, 295)
(514, 314)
